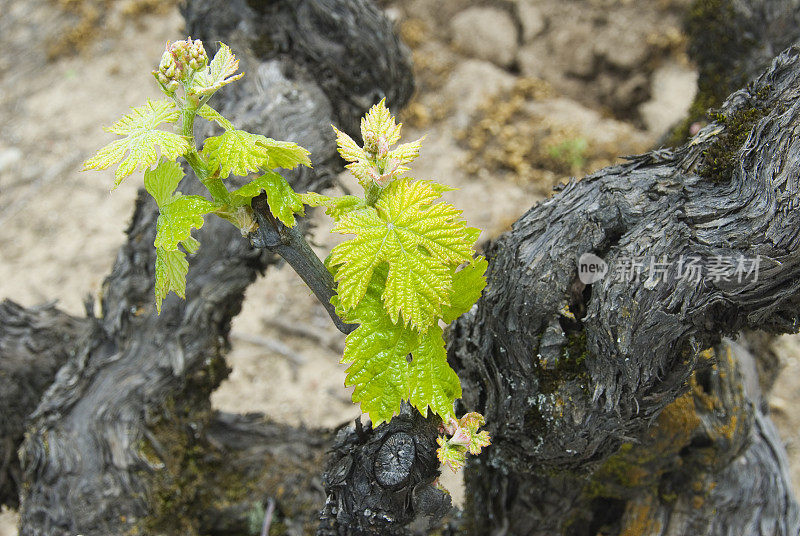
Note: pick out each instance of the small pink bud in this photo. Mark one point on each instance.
(371, 142)
(451, 426)
(383, 147)
(461, 437)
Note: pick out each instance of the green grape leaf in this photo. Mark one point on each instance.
(335, 207)
(377, 351)
(283, 202)
(162, 181)
(236, 151)
(465, 438)
(433, 383)
(454, 456)
(241, 152)
(380, 370)
(210, 114)
(191, 245)
(363, 170)
(284, 154)
(468, 284)
(219, 72)
(171, 270)
(379, 123)
(405, 153)
(178, 217)
(140, 141)
(348, 148)
(469, 425)
(419, 239)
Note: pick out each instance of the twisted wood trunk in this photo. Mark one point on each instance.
(608, 410)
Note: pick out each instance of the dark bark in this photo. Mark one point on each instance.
(265, 461)
(34, 343)
(290, 244)
(569, 375)
(733, 41)
(380, 480)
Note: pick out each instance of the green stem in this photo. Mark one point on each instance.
(209, 178)
(372, 193)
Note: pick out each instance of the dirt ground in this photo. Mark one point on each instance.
(554, 90)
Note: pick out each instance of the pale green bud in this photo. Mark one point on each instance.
(166, 60)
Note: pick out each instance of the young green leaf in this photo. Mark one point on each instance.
(284, 154)
(283, 202)
(241, 152)
(375, 162)
(210, 114)
(178, 217)
(405, 153)
(191, 245)
(335, 207)
(171, 270)
(468, 284)
(454, 456)
(236, 151)
(378, 351)
(419, 240)
(378, 127)
(381, 372)
(349, 150)
(141, 138)
(219, 72)
(361, 165)
(469, 425)
(433, 383)
(162, 181)
(179, 214)
(465, 438)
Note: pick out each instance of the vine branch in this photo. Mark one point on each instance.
(290, 244)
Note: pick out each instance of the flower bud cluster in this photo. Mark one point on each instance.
(375, 163)
(179, 62)
(464, 438)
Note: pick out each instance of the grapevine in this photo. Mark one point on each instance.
(408, 269)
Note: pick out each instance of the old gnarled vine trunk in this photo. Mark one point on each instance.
(615, 408)
(635, 418)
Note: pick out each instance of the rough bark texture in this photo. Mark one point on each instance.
(125, 440)
(569, 375)
(34, 343)
(379, 481)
